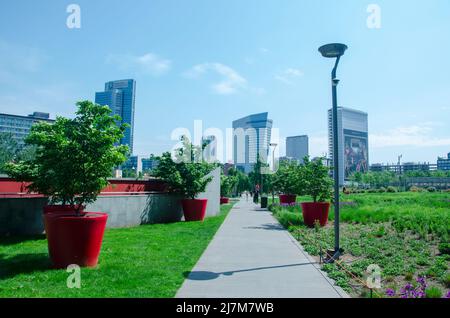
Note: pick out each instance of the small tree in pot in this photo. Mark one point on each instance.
(74, 158)
(227, 184)
(316, 182)
(187, 179)
(286, 182)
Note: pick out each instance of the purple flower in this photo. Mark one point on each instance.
(390, 292)
(448, 294)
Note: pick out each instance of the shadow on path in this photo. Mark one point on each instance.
(205, 275)
(269, 227)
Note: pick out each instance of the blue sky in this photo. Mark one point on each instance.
(218, 60)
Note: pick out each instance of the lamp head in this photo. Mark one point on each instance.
(333, 50)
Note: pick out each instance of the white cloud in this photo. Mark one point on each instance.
(230, 80)
(148, 63)
(419, 135)
(289, 75)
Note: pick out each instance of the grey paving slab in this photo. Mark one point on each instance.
(253, 256)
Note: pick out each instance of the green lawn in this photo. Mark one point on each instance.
(400, 232)
(144, 261)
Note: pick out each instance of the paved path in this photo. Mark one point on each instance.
(252, 256)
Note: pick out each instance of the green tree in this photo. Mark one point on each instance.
(9, 149)
(286, 179)
(243, 181)
(227, 185)
(315, 180)
(74, 157)
(257, 176)
(184, 175)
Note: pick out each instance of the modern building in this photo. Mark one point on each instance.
(297, 147)
(120, 97)
(404, 167)
(444, 163)
(134, 163)
(353, 141)
(19, 126)
(251, 139)
(148, 164)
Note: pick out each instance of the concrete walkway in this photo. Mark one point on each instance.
(252, 256)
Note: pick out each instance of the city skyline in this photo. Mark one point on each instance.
(246, 62)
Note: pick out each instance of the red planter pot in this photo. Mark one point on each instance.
(313, 211)
(194, 209)
(287, 198)
(75, 239)
(61, 209)
(224, 200)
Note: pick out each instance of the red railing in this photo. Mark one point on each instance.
(10, 188)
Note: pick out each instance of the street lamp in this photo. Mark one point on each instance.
(274, 145)
(335, 50)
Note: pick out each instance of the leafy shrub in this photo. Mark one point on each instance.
(286, 179)
(187, 176)
(227, 184)
(446, 280)
(391, 189)
(444, 248)
(431, 189)
(433, 292)
(288, 219)
(382, 190)
(315, 180)
(415, 189)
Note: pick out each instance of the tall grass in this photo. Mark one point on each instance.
(422, 213)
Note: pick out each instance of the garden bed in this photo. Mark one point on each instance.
(399, 232)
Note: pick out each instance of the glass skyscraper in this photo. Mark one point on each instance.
(251, 138)
(297, 147)
(120, 97)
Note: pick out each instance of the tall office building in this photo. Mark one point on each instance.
(353, 141)
(297, 147)
(19, 126)
(251, 138)
(120, 97)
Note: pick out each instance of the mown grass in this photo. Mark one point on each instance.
(400, 232)
(144, 261)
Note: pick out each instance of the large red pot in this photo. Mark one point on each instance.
(287, 198)
(313, 211)
(224, 200)
(75, 239)
(61, 209)
(194, 209)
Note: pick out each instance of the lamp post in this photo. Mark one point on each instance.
(274, 145)
(335, 50)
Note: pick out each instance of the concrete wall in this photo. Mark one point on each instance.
(23, 216)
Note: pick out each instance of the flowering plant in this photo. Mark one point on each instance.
(411, 291)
